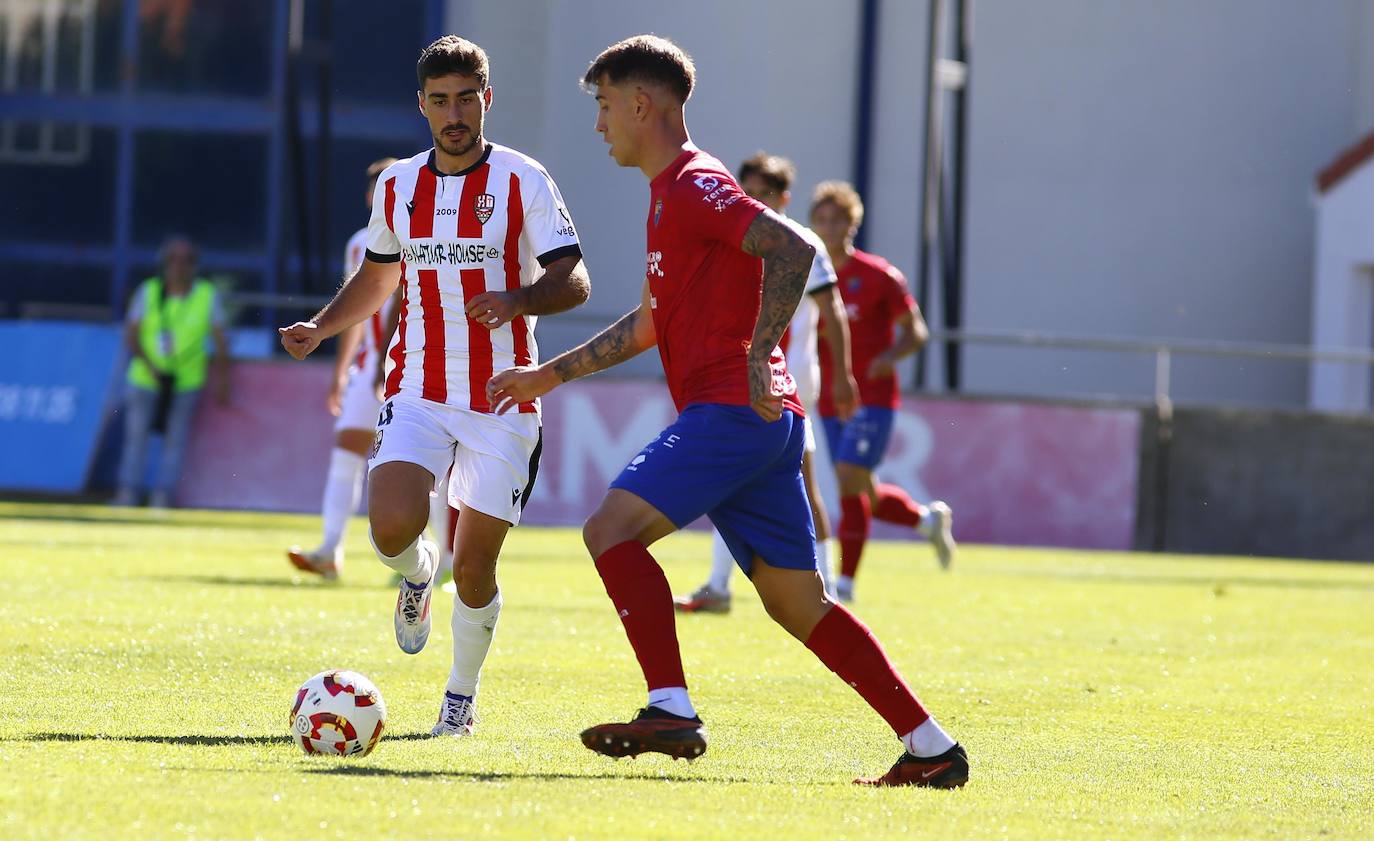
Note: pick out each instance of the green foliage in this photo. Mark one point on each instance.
(148, 663)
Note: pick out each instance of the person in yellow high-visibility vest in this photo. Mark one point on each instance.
(171, 320)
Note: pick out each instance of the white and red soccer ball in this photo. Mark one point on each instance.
(338, 713)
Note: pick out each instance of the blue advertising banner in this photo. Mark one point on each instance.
(54, 389)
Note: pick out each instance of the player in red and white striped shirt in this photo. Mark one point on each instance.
(481, 244)
(353, 402)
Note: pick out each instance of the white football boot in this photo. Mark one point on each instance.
(939, 527)
(457, 716)
(412, 619)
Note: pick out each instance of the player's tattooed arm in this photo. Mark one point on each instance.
(625, 339)
(563, 285)
(786, 264)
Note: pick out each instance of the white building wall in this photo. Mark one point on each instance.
(1136, 169)
(1343, 290)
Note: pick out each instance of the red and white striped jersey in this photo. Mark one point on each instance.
(370, 346)
(490, 227)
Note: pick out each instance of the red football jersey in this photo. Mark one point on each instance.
(875, 296)
(704, 291)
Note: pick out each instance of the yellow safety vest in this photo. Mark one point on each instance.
(173, 333)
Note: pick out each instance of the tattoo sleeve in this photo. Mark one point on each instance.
(786, 263)
(611, 346)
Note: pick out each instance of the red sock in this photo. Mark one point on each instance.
(639, 590)
(855, 518)
(894, 506)
(849, 649)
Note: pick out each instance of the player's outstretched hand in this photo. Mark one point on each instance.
(300, 338)
(766, 403)
(334, 402)
(493, 309)
(514, 386)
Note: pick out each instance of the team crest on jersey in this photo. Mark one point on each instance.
(482, 207)
(658, 211)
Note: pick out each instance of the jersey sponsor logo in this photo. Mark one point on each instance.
(455, 253)
(655, 258)
(566, 231)
(723, 203)
(707, 183)
(482, 207)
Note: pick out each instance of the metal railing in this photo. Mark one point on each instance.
(1163, 350)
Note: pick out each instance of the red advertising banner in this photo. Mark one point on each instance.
(1014, 473)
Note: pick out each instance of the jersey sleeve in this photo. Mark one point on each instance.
(898, 295)
(382, 244)
(548, 225)
(354, 251)
(714, 207)
(822, 275)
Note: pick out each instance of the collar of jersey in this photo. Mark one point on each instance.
(434, 169)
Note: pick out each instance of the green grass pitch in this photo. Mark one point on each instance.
(148, 663)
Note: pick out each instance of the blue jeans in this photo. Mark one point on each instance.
(139, 405)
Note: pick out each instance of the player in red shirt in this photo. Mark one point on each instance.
(877, 303)
(716, 312)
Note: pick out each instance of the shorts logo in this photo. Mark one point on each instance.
(482, 207)
(658, 211)
(376, 444)
(515, 497)
(638, 460)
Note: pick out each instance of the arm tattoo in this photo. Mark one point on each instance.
(786, 263)
(563, 285)
(611, 346)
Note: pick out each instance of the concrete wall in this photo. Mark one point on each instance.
(1343, 290)
(1280, 483)
(1137, 169)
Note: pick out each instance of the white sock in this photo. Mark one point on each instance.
(722, 564)
(823, 566)
(438, 526)
(473, 629)
(411, 563)
(674, 699)
(343, 486)
(928, 739)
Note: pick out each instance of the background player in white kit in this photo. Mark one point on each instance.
(465, 229)
(769, 178)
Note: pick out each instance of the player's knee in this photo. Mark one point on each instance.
(602, 531)
(392, 532)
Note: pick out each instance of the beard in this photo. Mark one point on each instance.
(460, 147)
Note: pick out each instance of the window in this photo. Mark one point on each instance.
(50, 204)
(209, 46)
(210, 187)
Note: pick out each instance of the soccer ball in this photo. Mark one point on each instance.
(338, 713)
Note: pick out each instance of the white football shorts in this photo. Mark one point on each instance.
(359, 407)
(495, 457)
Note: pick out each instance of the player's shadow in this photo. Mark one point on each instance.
(504, 776)
(286, 580)
(196, 740)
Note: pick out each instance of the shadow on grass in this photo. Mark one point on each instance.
(196, 740)
(287, 579)
(108, 516)
(1217, 583)
(503, 776)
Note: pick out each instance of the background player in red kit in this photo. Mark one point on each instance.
(716, 313)
(481, 243)
(877, 304)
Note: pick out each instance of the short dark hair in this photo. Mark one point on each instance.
(775, 170)
(644, 58)
(451, 54)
